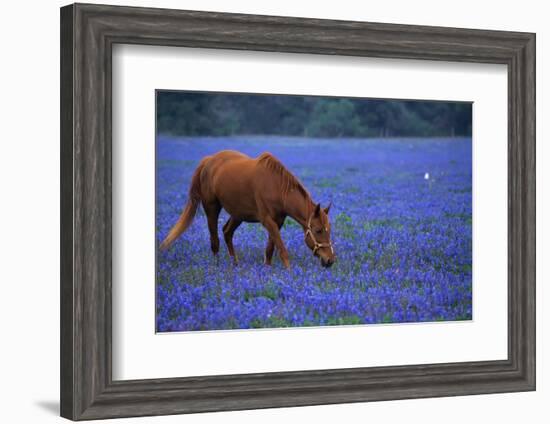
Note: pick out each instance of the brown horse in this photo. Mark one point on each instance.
(254, 190)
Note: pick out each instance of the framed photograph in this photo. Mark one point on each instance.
(263, 211)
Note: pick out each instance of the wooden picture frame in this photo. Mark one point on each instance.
(88, 33)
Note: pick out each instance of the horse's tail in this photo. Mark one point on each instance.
(190, 209)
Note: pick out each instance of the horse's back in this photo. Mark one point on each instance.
(228, 164)
(238, 182)
(229, 156)
(233, 168)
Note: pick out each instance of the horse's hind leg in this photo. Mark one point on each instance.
(270, 248)
(228, 230)
(212, 210)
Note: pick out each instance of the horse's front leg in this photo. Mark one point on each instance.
(270, 248)
(275, 235)
(228, 230)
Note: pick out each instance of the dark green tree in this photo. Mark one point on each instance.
(334, 118)
(218, 114)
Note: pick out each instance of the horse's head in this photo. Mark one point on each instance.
(317, 235)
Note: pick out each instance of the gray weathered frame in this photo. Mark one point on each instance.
(88, 33)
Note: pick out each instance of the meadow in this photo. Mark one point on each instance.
(401, 227)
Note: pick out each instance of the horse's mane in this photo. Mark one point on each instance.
(289, 181)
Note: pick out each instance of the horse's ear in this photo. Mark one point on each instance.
(328, 207)
(317, 209)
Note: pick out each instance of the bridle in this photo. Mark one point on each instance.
(316, 244)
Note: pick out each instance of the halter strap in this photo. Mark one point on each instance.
(316, 244)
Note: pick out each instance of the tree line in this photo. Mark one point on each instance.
(183, 113)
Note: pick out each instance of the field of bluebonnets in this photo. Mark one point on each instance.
(401, 227)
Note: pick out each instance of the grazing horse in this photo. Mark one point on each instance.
(254, 190)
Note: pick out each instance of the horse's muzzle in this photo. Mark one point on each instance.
(327, 263)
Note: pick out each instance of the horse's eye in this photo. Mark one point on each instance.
(318, 231)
